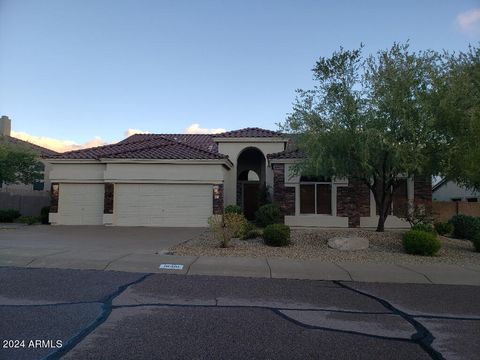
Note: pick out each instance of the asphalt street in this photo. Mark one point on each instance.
(90, 314)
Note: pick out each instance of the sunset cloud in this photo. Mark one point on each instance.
(196, 129)
(57, 144)
(130, 132)
(469, 21)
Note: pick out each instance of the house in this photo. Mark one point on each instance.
(446, 190)
(27, 198)
(183, 179)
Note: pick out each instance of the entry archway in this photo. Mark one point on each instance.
(251, 171)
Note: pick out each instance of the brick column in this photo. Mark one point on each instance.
(283, 196)
(353, 201)
(54, 193)
(217, 199)
(108, 198)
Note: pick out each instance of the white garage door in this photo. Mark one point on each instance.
(81, 204)
(162, 205)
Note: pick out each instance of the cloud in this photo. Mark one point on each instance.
(196, 129)
(130, 132)
(469, 21)
(57, 144)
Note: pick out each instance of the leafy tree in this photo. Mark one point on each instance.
(368, 118)
(18, 164)
(457, 105)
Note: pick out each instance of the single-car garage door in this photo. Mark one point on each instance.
(80, 204)
(162, 205)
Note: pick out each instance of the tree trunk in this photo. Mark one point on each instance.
(381, 222)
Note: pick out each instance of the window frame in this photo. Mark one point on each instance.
(315, 183)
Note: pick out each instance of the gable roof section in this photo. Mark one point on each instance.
(43, 152)
(141, 147)
(253, 132)
(439, 184)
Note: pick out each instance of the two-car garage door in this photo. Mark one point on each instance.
(162, 205)
(184, 205)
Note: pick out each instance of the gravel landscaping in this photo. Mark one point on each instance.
(312, 244)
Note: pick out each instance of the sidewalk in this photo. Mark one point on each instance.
(241, 266)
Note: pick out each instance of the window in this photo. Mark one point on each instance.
(456, 199)
(472, 199)
(38, 185)
(315, 196)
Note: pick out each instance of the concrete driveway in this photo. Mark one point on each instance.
(91, 247)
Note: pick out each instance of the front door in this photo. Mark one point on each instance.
(250, 200)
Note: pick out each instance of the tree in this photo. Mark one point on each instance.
(457, 105)
(368, 118)
(18, 164)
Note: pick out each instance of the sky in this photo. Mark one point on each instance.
(81, 73)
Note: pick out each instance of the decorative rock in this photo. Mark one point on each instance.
(351, 243)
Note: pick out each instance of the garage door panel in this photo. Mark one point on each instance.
(81, 204)
(162, 205)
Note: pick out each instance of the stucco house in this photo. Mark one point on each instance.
(27, 198)
(182, 179)
(446, 190)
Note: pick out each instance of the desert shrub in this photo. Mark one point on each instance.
(476, 242)
(252, 234)
(233, 209)
(44, 214)
(276, 235)
(227, 227)
(443, 228)
(267, 214)
(423, 227)
(465, 227)
(236, 224)
(220, 232)
(29, 220)
(9, 215)
(421, 243)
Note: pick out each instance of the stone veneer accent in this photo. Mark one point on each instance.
(217, 198)
(283, 196)
(353, 201)
(54, 197)
(108, 198)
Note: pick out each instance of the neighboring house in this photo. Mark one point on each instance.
(450, 191)
(182, 179)
(27, 198)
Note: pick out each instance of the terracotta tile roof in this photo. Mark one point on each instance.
(203, 141)
(144, 147)
(43, 152)
(166, 146)
(287, 154)
(249, 133)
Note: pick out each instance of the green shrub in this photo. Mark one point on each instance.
(9, 215)
(30, 220)
(44, 215)
(276, 235)
(233, 209)
(252, 234)
(443, 228)
(421, 243)
(267, 215)
(424, 227)
(465, 227)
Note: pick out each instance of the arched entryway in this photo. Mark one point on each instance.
(250, 178)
